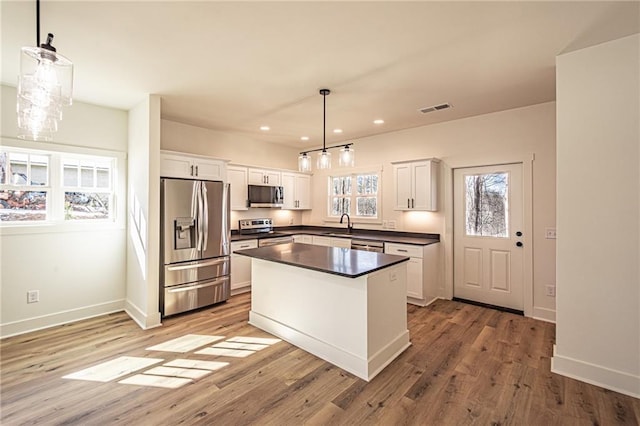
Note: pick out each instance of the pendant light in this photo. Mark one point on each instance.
(324, 158)
(347, 157)
(45, 85)
(304, 162)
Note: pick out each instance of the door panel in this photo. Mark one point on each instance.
(488, 215)
(216, 228)
(179, 220)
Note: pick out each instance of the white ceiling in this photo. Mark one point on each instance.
(239, 65)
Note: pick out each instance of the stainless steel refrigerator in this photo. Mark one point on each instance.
(194, 244)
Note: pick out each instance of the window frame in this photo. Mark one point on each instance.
(354, 173)
(55, 221)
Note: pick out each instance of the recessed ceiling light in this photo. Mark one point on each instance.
(378, 121)
(264, 128)
(304, 138)
(337, 130)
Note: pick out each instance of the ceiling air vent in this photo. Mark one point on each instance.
(435, 108)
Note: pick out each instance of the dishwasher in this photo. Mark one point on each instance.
(377, 246)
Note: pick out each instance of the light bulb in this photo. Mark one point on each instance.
(324, 160)
(347, 157)
(304, 163)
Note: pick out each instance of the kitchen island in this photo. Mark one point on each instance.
(345, 306)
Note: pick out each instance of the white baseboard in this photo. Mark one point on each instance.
(598, 375)
(144, 322)
(366, 369)
(240, 290)
(544, 314)
(58, 318)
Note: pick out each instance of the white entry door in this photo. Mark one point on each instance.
(488, 235)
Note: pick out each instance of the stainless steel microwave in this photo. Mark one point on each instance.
(265, 196)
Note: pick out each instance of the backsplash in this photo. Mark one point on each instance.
(280, 217)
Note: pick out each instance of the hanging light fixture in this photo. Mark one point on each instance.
(45, 85)
(347, 153)
(324, 158)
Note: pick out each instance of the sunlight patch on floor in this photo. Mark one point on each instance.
(111, 370)
(178, 372)
(185, 343)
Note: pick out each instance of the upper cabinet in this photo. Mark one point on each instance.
(264, 177)
(297, 191)
(238, 182)
(192, 167)
(415, 185)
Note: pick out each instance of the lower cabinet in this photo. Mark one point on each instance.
(241, 266)
(304, 239)
(331, 241)
(422, 271)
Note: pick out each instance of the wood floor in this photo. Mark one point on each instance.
(467, 365)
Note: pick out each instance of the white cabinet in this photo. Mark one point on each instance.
(263, 177)
(297, 191)
(422, 271)
(331, 241)
(305, 239)
(173, 164)
(241, 266)
(416, 185)
(238, 186)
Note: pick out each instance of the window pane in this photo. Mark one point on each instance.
(86, 205)
(341, 185)
(3, 167)
(367, 184)
(487, 205)
(367, 206)
(23, 206)
(103, 177)
(39, 169)
(18, 168)
(70, 172)
(86, 176)
(340, 205)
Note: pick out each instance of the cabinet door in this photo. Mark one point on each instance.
(238, 183)
(305, 239)
(175, 166)
(303, 191)
(341, 242)
(210, 169)
(256, 177)
(414, 278)
(241, 265)
(273, 177)
(321, 241)
(289, 188)
(403, 186)
(424, 181)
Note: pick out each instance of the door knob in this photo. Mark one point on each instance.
(519, 244)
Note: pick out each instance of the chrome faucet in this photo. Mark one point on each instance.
(349, 226)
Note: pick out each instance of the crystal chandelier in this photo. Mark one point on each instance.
(45, 85)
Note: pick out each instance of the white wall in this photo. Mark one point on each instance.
(238, 149)
(507, 135)
(80, 273)
(598, 321)
(144, 213)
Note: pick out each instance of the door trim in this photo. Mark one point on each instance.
(449, 165)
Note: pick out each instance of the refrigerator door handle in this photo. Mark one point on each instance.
(205, 216)
(200, 215)
(194, 287)
(197, 265)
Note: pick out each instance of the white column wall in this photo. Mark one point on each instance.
(598, 306)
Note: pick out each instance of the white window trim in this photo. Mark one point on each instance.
(354, 171)
(58, 224)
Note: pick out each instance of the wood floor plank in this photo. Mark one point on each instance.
(466, 365)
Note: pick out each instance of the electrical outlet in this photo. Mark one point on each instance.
(391, 224)
(551, 290)
(291, 221)
(550, 233)
(33, 296)
(385, 224)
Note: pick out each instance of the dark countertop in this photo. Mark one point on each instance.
(415, 238)
(332, 260)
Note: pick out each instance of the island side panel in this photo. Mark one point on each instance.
(387, 331)
(324, 314)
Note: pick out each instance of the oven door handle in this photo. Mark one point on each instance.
(197, 286)
(198, 265)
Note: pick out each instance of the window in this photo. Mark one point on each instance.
(38, 186)
(487, 205)
(355, 194)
